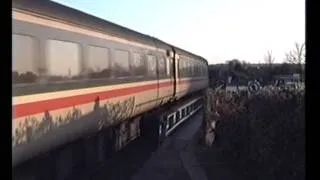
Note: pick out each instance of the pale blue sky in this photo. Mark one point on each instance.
(217, 30)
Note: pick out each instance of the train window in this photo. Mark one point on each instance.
(192, 68)
(198, 70)
(63, 60)
(162, 67)
(188, 69)
(205, 72)
(138, 64)
(152, 65)
(196, 74)
(202, 71)
(169, 64)
(182, 68)
(98, 62)
(195, 70)
(121, 63)
(23, 54)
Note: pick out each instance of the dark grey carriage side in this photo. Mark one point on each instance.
(86, 124)
(42, 34)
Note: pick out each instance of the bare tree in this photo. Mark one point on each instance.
(297, 56)
(269, 58)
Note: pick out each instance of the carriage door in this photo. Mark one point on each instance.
(153, 75)
(171, 71)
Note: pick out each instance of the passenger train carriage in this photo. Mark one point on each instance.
(74, 74)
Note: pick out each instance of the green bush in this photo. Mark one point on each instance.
(263, 133)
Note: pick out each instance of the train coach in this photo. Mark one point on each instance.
(75, 74)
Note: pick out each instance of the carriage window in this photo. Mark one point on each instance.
(188, 69)
(205, 71)
(202, 71)
(121, 63)
(98, 62)
(152, 65)
(138, 64)
(181, 68)
(196, 72)
(23, 54)
(162, 67)
(184, 68)
(63, 60)
(169, 64)
(171, 67)
(192, 69)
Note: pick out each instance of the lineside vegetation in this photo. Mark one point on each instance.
(263, 134)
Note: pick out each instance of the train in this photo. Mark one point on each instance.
(74, 74)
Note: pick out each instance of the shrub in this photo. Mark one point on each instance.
(263, 132)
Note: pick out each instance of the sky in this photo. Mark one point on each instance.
(217, 30)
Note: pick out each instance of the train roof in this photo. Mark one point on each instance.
(68, 14)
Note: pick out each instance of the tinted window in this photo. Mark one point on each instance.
(188, 69)
(182, 68)
(197, 70)
(192, 69)
(23, 54)
(63, 60)
(121, 63)
(169, 65)
(185, 68)
(152, 65)
(138, 64)
(201, 70)
(98, 65)
(205, 71)
(162, 67)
